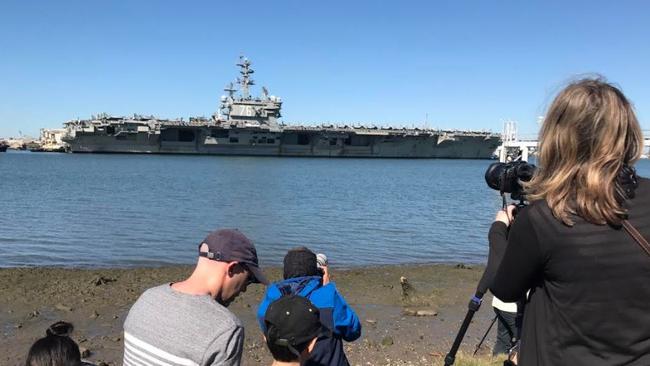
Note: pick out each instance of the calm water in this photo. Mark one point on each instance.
(125, 210)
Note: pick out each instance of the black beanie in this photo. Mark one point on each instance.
(300, 262)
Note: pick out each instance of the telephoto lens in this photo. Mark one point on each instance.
(507, 177)
(321, 260)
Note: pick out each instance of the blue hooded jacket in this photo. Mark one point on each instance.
(335, 314)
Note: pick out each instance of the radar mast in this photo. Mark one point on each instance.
(245, 81)
(243, 109)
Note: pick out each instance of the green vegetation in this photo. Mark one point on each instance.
(469, 360)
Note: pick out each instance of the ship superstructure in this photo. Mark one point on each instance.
(246, 125)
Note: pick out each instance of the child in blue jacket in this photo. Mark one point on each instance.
(303, 277)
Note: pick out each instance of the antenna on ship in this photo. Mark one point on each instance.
(230, 90)
(245, 80)
(226, 102)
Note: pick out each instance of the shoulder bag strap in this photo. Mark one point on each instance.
(634, 233)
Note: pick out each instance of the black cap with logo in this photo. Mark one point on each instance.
(292, 320)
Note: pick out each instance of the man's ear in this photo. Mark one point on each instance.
(312, 344)
(232, 268)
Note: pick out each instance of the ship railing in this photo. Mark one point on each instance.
(390, 130)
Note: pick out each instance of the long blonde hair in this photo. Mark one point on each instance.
(589, 133)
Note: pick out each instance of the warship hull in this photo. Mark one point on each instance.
(307, 143)
(249, 126)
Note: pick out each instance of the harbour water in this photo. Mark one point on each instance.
(87, 210)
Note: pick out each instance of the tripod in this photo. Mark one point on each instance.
(483, 285)
(473, 306)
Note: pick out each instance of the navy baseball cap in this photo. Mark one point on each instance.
(230, 245)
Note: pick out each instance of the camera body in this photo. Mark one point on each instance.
(507, 177)
(321, 261)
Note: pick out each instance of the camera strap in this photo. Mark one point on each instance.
(636, 235)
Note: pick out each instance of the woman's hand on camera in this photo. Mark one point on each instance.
(506, 216)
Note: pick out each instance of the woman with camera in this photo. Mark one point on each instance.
(579, 245)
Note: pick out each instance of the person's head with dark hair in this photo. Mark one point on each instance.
(300, 262)
(55, 349)
(292, 327)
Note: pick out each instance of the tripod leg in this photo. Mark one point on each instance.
(473, 307)
(478, 346)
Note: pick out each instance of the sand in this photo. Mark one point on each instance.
(416, 328)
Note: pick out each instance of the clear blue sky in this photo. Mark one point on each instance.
(467, 64)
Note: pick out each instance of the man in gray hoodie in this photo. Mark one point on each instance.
(187, 322)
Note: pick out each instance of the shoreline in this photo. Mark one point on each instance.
(336, 267)
(413, 327)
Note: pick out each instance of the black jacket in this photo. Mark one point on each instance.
(590, 286)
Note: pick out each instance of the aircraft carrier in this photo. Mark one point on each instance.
(250, 126)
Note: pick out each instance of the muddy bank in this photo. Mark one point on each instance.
(415, 326)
